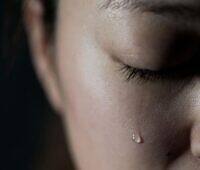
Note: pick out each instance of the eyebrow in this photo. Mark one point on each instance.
(157, 7)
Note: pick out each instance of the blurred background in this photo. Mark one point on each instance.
(31, 133)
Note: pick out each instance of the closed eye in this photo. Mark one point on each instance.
(145, 74)
(184, 46)
(182, 72)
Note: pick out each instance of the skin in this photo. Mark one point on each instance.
(79, 70)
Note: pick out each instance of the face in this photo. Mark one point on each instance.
(129, 83)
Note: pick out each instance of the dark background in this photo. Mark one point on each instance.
(31, 133)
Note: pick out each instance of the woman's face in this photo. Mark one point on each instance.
(130, 99)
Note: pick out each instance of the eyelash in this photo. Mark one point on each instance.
(148, 75)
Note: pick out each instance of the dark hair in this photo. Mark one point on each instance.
(50, 14)
(14, 48)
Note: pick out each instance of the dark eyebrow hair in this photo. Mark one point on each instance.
(158, 7)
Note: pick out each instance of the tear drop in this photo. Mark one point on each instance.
(137, 139)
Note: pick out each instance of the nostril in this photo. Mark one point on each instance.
(195, 140)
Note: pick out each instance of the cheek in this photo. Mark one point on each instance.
(104, 110)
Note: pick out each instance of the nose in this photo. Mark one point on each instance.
(195, 139)
(195, 125)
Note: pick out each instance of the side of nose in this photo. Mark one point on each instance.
(195, 125)
(195, 139)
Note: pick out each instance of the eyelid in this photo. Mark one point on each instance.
(181, 71)
(176, 73)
